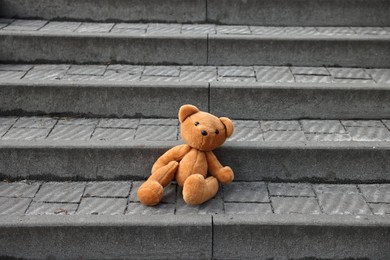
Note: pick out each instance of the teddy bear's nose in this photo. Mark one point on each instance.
(204, 132)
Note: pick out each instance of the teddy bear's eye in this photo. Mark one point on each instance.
(216, 131)
(196, 123)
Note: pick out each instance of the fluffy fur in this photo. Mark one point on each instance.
(193, 162)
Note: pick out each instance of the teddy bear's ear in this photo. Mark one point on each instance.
(187, 110)
(228, 125)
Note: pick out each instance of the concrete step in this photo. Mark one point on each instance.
(261, 220)
(208, 44)
(181, 11)
(265, 92)
(299, 12)
(251, 12)
(355, 151)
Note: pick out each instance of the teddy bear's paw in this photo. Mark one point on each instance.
(225, 175)
(197, 189)
(150, 193)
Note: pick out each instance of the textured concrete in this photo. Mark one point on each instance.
(60, 192)
(299, 12)
(102, 237)
(64, 160)
(99, 198)
(327, 161)
(82, 148)
(352, 219)
(102, 48)
(195, 236)
(139, 73)
(167, 44)
(96, 160)
(299, 100)
(102, 98)
(301, 51)
(300, 237)
(167, 129)
(117, 10)
(48, 26)
(124, 89)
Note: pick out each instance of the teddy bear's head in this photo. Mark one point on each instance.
(202, 130)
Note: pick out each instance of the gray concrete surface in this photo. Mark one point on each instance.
(321, 76)
(300, 51)
(244, 220)
(274, 13)
(238, 198)
(104, 148)
(62, 160)
(107, 98)
(195, 236)
(300, 237)
(193, 44)
(118, 10)
(96, 160)
(265, 213)
(299, 12)
(297, 160)
(34, 128)
(104, 237)
(299, 100)
(98, 48)
(268, 92)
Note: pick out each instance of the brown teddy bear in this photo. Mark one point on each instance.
(202, 132)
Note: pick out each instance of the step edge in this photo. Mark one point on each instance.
(242, 145)
(209, 37)
(192, 84)
(99, 84)
(17, 221)
(9, 221)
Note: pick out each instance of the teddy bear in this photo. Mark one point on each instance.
(191, 162)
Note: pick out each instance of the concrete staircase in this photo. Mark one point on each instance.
(89, 94)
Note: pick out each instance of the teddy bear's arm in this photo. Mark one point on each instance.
(224, 174)
(174, 154)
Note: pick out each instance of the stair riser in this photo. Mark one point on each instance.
(265, 236)
(303, 163)
(97, 99)
(253, 238)
(251, 161)
(252, 50)
(125, 237)
(251, 12)
(103, 50)
(326, 101)
(300, 12)
(195, 50)
(257, 101)
(107, 10)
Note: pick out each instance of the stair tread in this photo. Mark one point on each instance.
(170, 74)
(119, 198)
(106, 130)
(150, 29)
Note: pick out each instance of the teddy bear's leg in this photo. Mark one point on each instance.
(197, 189)
(151, 192)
